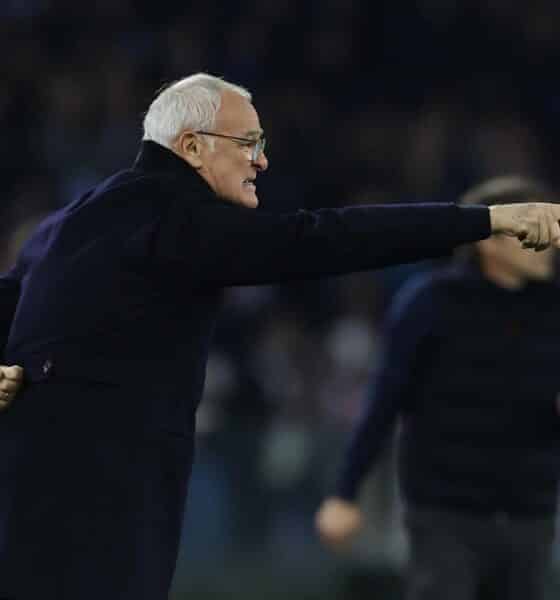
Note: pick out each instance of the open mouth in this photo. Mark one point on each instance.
(249, 183)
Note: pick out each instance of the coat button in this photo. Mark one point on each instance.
(47, 366)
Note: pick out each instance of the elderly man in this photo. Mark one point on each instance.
(470, 368)
(116, 297)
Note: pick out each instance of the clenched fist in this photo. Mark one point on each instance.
(11, 379)
(535, 224)
(337, 520)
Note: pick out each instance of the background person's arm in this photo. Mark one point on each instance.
(406, 338)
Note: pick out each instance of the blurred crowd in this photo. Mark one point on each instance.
(361, 102)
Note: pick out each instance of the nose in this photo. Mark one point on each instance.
(261, 162)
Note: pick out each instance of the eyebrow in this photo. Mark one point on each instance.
(254, 133)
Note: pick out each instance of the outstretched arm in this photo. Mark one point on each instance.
(225, 244)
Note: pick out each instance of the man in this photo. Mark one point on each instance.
(116, 300)
(470, 365)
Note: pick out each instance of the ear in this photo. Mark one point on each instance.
(189, 147)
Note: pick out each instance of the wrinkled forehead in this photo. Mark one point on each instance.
(238, 116)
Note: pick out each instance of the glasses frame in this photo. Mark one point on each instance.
(258, 145)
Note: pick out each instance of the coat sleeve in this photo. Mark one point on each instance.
(9, 297)
(408, 344)
(224, 244)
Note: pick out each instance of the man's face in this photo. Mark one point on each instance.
(226, 164)
(508, 257)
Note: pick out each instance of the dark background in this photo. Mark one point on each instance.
(362, 101)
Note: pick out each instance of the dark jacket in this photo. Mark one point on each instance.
(116, 300)
(472, 370)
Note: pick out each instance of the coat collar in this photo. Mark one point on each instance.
(155, 158)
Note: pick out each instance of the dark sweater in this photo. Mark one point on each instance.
(472, 369)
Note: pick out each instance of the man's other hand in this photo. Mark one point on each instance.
(337, 520)
(535, 224)
(11, 379)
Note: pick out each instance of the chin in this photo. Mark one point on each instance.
(249, 201)
(246, 201)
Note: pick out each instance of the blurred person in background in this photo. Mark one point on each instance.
(110, 308)
(470, 368)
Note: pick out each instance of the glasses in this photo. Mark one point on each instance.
(256, 145)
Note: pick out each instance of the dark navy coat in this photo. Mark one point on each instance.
(470, 368)
(110, 309)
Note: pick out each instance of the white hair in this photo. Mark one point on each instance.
(190, 103)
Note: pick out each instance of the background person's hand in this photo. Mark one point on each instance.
(535, 224)
(11, 379)
(337, 521)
